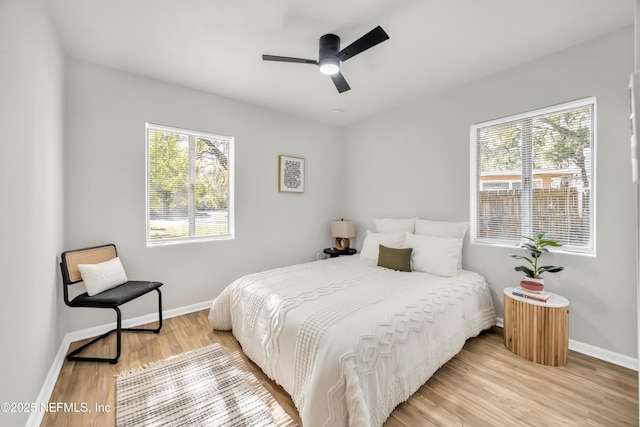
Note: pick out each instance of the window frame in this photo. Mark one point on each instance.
(475, 181)
(230, 235)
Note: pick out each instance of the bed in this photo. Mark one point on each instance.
(349, 340)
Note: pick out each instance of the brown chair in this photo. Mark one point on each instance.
(112, 298)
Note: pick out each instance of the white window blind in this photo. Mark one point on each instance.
(535, 172)
(189, 185)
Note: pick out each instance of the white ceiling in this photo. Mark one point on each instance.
(216, 46)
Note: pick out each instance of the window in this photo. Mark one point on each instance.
(189, 185)
(535, 172)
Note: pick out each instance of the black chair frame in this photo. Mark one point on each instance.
(111, 299)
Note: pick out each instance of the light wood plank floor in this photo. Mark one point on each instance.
(484, 385)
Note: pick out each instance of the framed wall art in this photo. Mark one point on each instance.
(291, 174)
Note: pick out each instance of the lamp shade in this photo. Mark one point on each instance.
(343, 229)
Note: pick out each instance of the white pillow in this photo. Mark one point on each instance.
(372, 242)
(390, 225)
(435, 255)
(455, 230)
(102, 276)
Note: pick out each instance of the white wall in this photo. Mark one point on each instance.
(636, 69)
(31, 190)
(105, 184)
(415, 162)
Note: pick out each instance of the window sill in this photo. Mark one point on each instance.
(565, 250)
(180, 241)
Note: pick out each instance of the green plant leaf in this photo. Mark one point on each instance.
(553, 243)
(550, 269)
(529, 260)
(527, 271)
(536, 253)
(529, 246)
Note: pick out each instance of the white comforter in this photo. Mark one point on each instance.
(349, 340)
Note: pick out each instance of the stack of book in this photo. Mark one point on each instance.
(536, 296)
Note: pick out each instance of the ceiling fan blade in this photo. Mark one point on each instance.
(340, 82)
(289, 59)
(372, 38)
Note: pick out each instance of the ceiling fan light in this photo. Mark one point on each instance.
(329, 66)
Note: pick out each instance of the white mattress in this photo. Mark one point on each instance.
(349, 340)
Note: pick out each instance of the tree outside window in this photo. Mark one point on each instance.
(188, 185)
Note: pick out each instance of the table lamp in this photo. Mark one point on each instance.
(342, 230)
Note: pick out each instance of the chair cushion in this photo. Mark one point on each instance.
(116, 296)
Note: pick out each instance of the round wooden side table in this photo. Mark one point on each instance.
(535, 330)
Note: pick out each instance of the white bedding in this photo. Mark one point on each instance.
(349, 340)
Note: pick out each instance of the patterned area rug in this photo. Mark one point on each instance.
(201, 387)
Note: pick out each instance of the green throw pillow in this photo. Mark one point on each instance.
(395, 259)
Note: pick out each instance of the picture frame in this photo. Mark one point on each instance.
(291, 174)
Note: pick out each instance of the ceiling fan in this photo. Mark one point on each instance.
(330, 54)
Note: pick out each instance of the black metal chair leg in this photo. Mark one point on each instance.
(154, 330)
(118, 330)
(118, 336)
(72, 355)
(159, 310)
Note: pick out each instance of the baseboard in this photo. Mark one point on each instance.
(35, 418)
(597, 352)
(602, 354)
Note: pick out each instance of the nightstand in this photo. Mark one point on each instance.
(537, 331)
(333, 252)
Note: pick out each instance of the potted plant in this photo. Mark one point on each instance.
(536, 246)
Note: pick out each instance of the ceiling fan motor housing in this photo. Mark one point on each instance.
(327, 59)
(329, 47)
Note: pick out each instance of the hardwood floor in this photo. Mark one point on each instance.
(484, 385)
